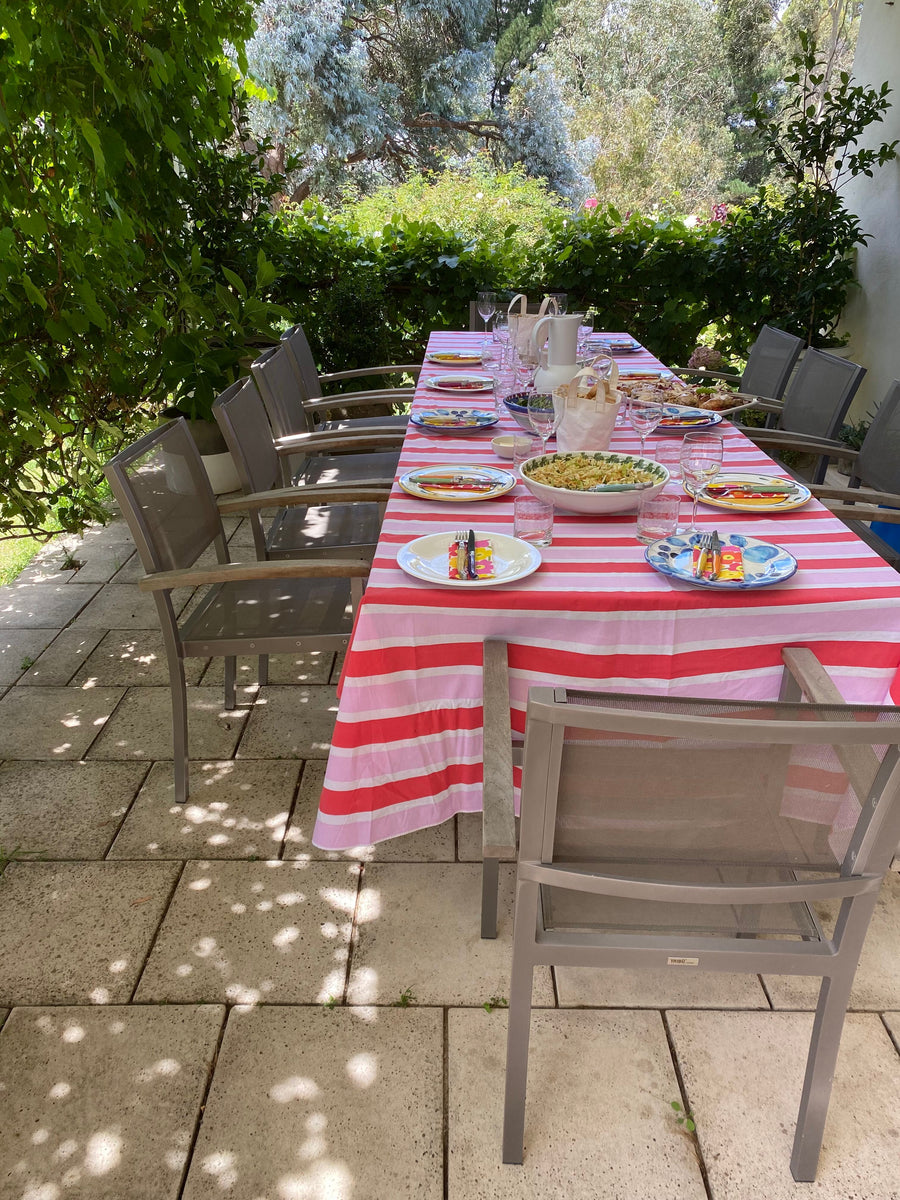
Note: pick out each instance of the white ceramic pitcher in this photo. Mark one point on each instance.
(562, 350)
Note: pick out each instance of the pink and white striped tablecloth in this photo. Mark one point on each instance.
(407, 749)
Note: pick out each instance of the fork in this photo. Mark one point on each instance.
(462, 537)
(704, 545)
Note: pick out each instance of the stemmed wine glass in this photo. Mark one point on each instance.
(487, 306)
(501, 334)
(544, 415)
(585, 329)
(701, 461)
(562, 302)
(644, 416)
(525, 366)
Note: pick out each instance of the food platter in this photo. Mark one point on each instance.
(457, 483)
(666, 389)
(460, 383)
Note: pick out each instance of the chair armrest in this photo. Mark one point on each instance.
(372, 490)
(864, 495)
(800, 441)
(763, 404)
(282, 568)
(362, 372)
(355, 399)
(499, 822)
(339, 439)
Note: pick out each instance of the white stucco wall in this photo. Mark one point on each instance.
(872, 318)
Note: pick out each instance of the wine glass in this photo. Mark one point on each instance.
(525, 365)
(701, 461)
(501, 333)
(585, 329)
(487, 306)
(544, 415)
(644, 416)
(562, 302)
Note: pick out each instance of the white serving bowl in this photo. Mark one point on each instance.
(594, 502)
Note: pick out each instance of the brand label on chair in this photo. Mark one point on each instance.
(677, 961)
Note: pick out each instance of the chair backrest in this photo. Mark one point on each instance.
(277, 379)
(820, 394)
(166, 498)
(878, 463)
(297, 345)
(770, 363)
(242, 418)
(706, 784)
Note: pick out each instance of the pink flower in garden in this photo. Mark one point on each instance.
(720, 212)
(705, 357)
(591, 203)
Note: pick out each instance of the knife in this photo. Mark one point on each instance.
(716, 551)
(473, 574)
(765, 489)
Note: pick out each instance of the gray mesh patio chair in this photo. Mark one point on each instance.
(317, 399)
(769, 365)
(816, 401)
(292, 421)
(249, 608)
(698, 835)
(876, 472)
(296, 529)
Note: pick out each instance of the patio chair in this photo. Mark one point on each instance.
(323, 529)
(260, 607)
(316, 399)
(698, 835)
(769, 365)
(876, 473)
(816, 401)
(292, 421)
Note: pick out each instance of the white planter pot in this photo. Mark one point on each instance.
(222, 473)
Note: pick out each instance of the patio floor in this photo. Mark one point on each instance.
(198, 1003)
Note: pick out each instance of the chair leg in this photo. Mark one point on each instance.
(490, 884)
(179, 731)
(262, 674)
(230, 671)
(834, 996)
(520, 988)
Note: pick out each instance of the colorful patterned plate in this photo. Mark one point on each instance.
(764, 563)
(455, 482)
(460, 384)
(679, 418)
(793, 499)
(453, 420)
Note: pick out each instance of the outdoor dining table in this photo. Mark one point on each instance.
(407, 747)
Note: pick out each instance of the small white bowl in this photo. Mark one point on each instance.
(504, 445)
(594, 502)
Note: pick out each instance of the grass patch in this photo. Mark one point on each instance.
(15, 555)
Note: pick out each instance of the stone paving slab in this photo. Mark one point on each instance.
(291, 722)
(19, 648)
(104, 563)
(53, 722)
(425, 845)
(133, 657)
(43, 605)
(678, 987)
(123, 606)
(419, 928)
(329, 1105)
(877, 983)
(598, 1125)
(234, 810)
(743, 1074)
(142, 726)
(892, 1021)
(62, 658)
(78, 933)
(65, 809)
(247, 932)
(63, 1135)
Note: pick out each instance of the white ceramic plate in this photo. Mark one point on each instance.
(456, 358)
(469, 482)
(764, 563)
(428, 558)
(460, 385)
(795, 499)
